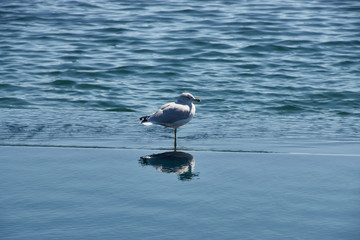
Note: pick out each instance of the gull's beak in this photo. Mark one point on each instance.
(197, 100)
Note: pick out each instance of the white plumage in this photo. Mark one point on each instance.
(174, 114)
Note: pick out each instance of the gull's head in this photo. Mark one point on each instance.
(187, 98)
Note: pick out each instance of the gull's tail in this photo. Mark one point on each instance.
(144, 120)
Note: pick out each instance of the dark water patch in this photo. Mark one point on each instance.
(349, 114)
(103, 105)
(23, 19)
(85, 5)
(88, 86)
(343, 113)
(171, 63)
(53, 73)
(59, 93)
(10, 88)
(352, 43)
(144, 51)
(352, 8)
(248, 66)
(280, 76)
(78, 100)
(72, 58)
(188, 11)
(63, 83)
(161, 74)
(122, 70)
(184, 32)
(333, 102)
(12, 102)
(179, 51)
(295, 42)
(248, 31)
(115, 30)
(119, 109)
(296, 89)
(133, 41)
(237, 92)
(346, 64)
(336, 96)
(207, 58)
(146, 71)
(73, 73)
(269, 48)
(287, 108)
(198, 42)
(109, 40)
(219, 55)
(219, 46)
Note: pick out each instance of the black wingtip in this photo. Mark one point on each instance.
(144, 119)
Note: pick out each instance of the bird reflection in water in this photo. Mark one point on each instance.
(180, 163)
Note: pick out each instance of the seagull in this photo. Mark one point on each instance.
(174, 114)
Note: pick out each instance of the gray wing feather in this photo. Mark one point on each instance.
(170, 113)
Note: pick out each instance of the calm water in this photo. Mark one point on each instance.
(269, 74)
(63, 193)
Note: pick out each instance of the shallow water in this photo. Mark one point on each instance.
(64, 193)
(81, 73)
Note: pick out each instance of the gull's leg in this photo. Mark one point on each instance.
(175, 141)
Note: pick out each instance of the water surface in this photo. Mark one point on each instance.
(64, 193)
(82, 72)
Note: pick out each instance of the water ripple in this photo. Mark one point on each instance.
(277, 60)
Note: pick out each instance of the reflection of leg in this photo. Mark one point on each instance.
(175, 141)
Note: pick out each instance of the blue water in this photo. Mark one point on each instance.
(275, 77)
(72, 193)
(269, 74)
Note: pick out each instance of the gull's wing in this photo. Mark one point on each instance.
(170, 113)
